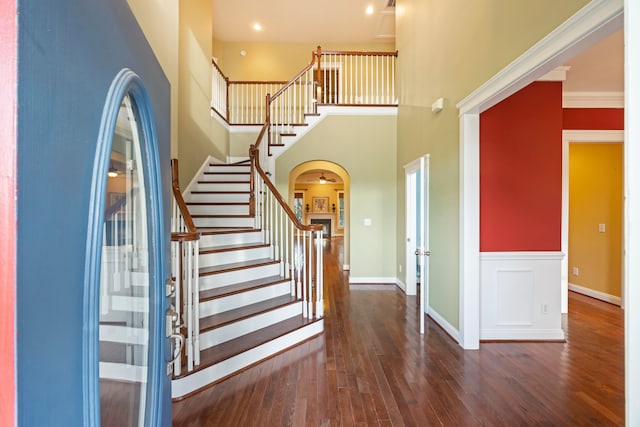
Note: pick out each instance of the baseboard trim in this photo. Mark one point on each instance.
(401, 285)
(611, 299)
(444, 324)
(381, 280)
(194, 180)
(553, 335)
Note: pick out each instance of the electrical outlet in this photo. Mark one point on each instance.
(575, 271)
(545, 308)
(601, 228)
(400, 267)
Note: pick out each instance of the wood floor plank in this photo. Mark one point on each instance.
(372, 367)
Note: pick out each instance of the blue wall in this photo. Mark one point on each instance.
(69, 53)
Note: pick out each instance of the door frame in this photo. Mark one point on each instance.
(592, 23)
(8, 220)
(414, 186)
(126, 82)
(569, 136)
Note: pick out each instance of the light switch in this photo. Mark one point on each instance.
(601, 228)
(367, 222)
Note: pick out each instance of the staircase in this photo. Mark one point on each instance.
(251, 303)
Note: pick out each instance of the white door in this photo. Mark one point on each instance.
(417, 226)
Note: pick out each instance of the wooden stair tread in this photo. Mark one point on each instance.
(229, 248)
(217, 203)
(237, 288)
(287, 134)
(236, 266)
(221, 216)
(276, 145)
(209, 231)
(226, 350)
(223, 182)
(219, 192)
(239, 163)
(227, 317)
(227, 173)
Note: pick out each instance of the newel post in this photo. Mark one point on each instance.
(252, 181)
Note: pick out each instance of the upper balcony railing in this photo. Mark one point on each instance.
(331, 78)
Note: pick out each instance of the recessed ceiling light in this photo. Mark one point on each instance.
(369, 10)
(257, 27)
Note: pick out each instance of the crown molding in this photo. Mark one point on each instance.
(593, 100)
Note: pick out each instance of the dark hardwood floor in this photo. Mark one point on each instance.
(372, 368)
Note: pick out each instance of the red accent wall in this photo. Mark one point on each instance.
(8, 71)
(521, 171)
(593, 118)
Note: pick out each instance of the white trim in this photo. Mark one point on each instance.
(220, 120)
(214, 373)
(523, 335)
(521, 256)
(346, 267)
(123, 372)
(401, 285)
(593, 100)
(612, 299)
(632, 212)
(236, 159)
(558, 74)
(568, 136)
(469, 269)
(196, 177)
(442, 322)
(382, 280)
(593, 22)
(337, 110)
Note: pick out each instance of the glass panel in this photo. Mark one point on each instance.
(341, 209)
(124, 280)
(297, 205)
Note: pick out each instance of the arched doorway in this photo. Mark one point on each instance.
(319, 191)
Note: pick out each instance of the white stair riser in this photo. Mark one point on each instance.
(209, 186)
(219, 209)
(209, 241)
(224, 222)
(213, 281)
(182, 386)
(228, 257)
(231, 302)
(217, 198)
(226, 177)
(239, 168)
(246, 326)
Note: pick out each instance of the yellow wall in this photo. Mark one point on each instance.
(320, 190)
(199, 135)
(448, 49)
(595, 197)
(365, 147)
(275, 61)
(159, 22)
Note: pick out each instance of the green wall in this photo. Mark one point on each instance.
(366, 147)
(448, 49)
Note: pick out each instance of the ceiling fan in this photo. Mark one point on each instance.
(324, 180)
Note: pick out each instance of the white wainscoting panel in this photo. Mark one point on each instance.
(520, 296)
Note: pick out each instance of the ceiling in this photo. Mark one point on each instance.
(313, 177)
(599, 68)
(317, 22)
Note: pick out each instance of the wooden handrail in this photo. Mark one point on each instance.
(219, 70)
(255, 160)
(192, 233)
(253, 82)
(355, 53)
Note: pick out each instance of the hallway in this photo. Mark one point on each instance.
(372, 368)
